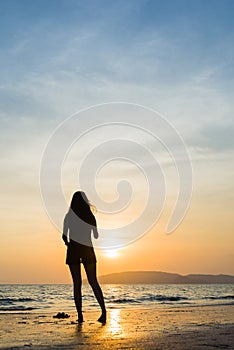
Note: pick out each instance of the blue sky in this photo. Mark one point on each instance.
(174, 56)
(103, 47)
(60, 56)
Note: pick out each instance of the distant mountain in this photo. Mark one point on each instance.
(211, 279)
(145, 277)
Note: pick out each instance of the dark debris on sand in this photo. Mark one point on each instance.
(61, 315)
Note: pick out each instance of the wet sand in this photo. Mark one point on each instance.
(190, 328)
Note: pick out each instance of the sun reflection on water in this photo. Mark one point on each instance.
(114, 326)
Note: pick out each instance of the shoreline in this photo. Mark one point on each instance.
(183, 327)
(159, 306)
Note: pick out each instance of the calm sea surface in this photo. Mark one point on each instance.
(59, 297)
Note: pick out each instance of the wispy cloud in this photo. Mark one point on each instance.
(60, 57)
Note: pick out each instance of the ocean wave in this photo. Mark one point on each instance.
(224, 297)
(149, 298)
(4, 301)
(27, 298)
(165, 299)
(124, 301)
(162, 298)
(17, 308)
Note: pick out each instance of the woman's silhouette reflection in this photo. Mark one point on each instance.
(79, 223)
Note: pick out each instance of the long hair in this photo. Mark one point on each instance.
(81, 206)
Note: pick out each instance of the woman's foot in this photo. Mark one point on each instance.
(80, 319)
(102, 318)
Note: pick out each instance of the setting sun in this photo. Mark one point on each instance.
(111, 253)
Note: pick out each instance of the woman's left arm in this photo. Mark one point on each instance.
(65, 231)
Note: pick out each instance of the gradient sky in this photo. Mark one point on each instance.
(60, 56)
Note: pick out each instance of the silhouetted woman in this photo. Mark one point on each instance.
(79, 223)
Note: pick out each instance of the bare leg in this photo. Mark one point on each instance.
(91, 273)
(77, 282)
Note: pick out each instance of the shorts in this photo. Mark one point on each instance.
(77, 253)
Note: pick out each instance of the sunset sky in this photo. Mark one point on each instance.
(59, 57)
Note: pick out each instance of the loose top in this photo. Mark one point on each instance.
(77, 229)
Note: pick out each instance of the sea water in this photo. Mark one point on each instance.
(59, 297)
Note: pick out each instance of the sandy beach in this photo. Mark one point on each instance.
(200, 327)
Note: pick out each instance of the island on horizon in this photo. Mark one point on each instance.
(158, 277)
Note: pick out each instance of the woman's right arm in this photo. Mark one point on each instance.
(95, 231)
